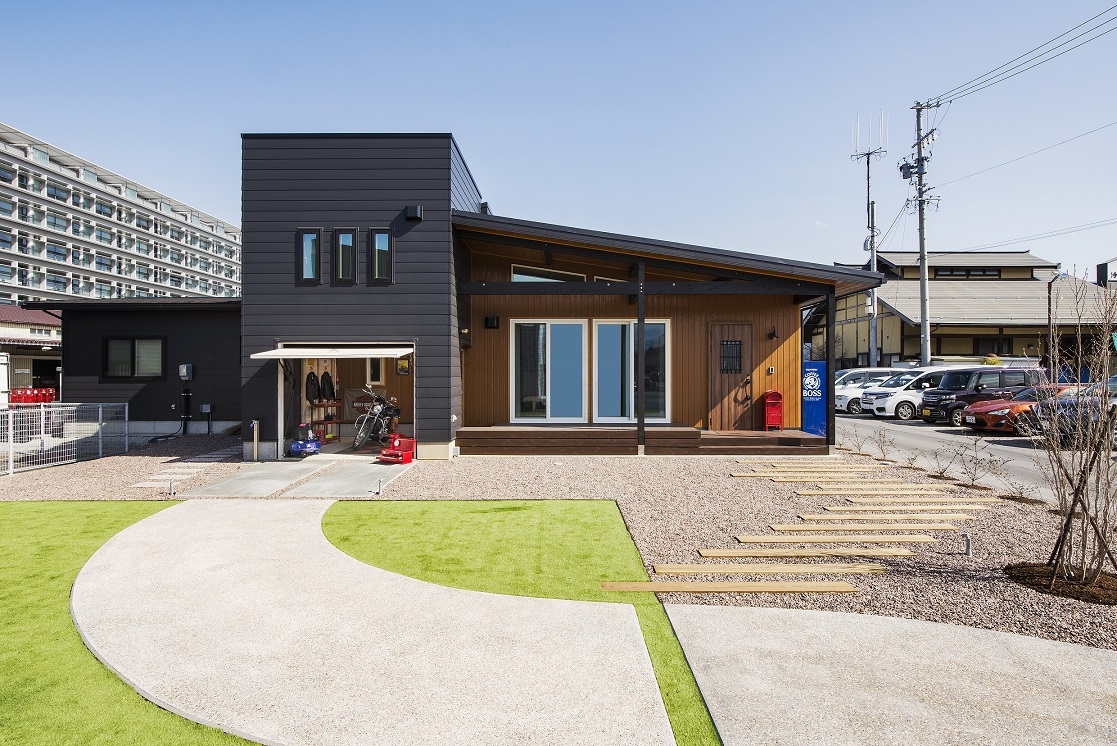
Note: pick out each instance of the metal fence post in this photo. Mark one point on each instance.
(126, 427)
(42, 427)
(11, 442)
(100, 430)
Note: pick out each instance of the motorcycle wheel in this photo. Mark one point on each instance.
(363, 431)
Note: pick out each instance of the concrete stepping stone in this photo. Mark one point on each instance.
(772, 568)
(841, 538)
(862, 527)
(811, 552)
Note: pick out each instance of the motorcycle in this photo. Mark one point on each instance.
(379, 418)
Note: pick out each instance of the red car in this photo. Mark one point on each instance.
(1009, 415)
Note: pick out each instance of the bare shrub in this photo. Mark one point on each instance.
(978, 462)
(942, 458)
(884, 443)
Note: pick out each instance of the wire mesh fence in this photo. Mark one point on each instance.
(36, 435)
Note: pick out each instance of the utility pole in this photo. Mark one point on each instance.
(919, 171)
(871, 224)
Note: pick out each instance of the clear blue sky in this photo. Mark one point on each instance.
(721, 124)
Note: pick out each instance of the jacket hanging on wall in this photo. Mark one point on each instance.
(327, 387)
(313, 391)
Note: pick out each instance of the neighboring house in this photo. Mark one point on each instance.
(33, 339)
(981, 303)
(372, 257)
(72, 229)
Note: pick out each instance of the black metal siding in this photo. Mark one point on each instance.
(332, 181)
(208, 339)
(464, 194)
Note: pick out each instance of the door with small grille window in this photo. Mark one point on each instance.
(730, 366)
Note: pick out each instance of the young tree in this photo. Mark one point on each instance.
(1078, 432)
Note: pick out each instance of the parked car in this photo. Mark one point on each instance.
(1071, 413)
(1013, 415)
(899, 396)
(847, 391)
(968, 385)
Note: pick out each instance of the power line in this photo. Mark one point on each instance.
(998, 74)
(1041, 236)
(1029, 155)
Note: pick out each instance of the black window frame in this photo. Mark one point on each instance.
(103, 371)
(372, 278)
(300, 279)
(335, 256)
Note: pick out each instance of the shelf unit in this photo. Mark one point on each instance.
(331, 428)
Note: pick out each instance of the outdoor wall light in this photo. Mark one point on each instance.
(492, 322)
(413, 212)
(773, 334)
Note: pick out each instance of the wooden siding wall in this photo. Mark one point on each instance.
(486, 364)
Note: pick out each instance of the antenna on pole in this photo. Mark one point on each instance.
(871, 219)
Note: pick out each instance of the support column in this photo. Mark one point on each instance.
(641, 310)
(828, 384)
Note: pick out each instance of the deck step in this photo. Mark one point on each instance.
(773, 568)
(810, 552)
(674, 586)
(840, 539)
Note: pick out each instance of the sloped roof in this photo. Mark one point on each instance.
(967, 259)
(991, 302)
(846, 280)
(13, 314)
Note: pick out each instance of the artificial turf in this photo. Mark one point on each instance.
(52, 689)
(542, 548)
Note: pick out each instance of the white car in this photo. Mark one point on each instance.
(900, 395)
(848, 389)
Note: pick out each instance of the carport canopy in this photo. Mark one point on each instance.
(288, 353)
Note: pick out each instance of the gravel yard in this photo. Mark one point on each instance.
(675, 505)
(110, 478)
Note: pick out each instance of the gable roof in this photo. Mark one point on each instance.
(846, 280)
(13, 314)
(967, 259)
(990, 302)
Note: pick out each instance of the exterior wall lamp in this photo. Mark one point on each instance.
(773, 334)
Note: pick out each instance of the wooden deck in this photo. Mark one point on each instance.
(620, 440)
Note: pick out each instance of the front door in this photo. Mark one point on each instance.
(730, 365)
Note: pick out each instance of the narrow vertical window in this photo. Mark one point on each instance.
(345, 256)
(308, 259)
(380, 256)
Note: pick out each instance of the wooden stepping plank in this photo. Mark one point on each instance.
(924, 499)
(890, 517)
(885, 488)
(867, 492)
(773, 568)
(844, 482)
(862, 527)
(732, 587)
(840, 539)
(149, 485)
(810, 552)
(906, 508)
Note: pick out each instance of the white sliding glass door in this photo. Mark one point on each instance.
(548, 373)
(614, 373)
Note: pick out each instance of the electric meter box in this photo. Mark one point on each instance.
(186, 372)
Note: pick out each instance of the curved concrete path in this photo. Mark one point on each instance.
(240, 614)
(788, 676)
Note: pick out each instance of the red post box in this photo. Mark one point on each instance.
(773, 410)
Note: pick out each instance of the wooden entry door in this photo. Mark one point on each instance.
(730, 364)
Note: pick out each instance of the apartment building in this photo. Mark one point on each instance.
(70, 228)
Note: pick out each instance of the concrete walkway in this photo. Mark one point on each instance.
(240, 614)
(784, 676)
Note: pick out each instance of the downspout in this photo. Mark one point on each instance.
(640, 313)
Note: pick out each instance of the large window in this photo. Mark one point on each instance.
(133, 358)
(379, 256)
(548, 371)
(308, 256)
(614, 371)
(345, 256)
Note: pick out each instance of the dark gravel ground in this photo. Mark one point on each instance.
(675, 505)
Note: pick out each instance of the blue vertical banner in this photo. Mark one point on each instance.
(814, 396)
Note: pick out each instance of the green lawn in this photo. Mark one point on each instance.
(542, 548)
(52, 690)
